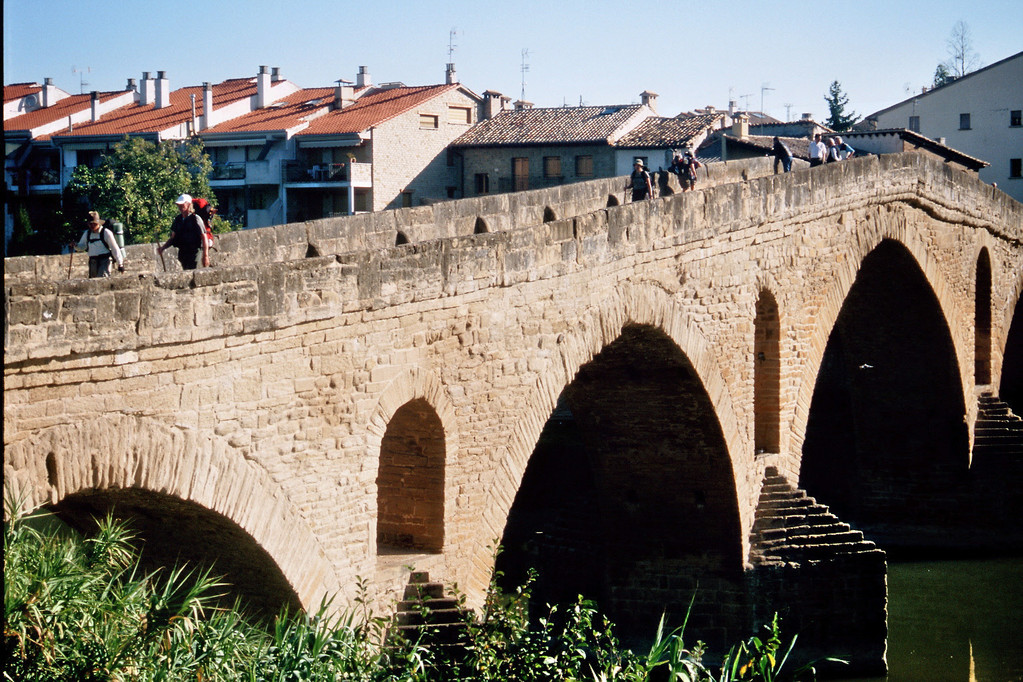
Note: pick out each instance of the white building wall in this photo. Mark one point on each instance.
(988, 96)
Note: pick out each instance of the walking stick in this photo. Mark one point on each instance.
(160, 254)
(70, 262)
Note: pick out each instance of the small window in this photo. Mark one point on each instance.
(482, 183)
(406, 199)
(451, 191)
(964, 121)
(450, 157)
(914, 124)
(552, 166)
(584, 166)
(1016, 118)
(460, 115)
(1016, 168)
(429, 121)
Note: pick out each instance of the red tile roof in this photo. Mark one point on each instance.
(18, 90)
(62, 109)
(139, 118)
(676, 133)
(559, 125)
(374, 108)
(283, 114)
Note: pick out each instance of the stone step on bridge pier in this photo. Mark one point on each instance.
(603, 393)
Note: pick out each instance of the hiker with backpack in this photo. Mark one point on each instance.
(205, 210)
(639, 182)
(101, 243)
(188, 233)
(687, 170)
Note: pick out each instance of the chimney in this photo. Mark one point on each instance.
(522, 104)
(208, 120)
(162, 90)
(363, 79)
(449, 75)
(731, 107)
(148, 92)
(262, 87)
(275, 75)
(49, 93)
(493, 103)
(740, 126)
(94, 105)
(131, 85)
(807, 116)
(344, 94)
(649, 99)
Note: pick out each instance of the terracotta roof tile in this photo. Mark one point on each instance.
(283, 114)
(139, 118)
(15, 91)
(550, 126)
(676, 132)
(373, 108)
(62, 109)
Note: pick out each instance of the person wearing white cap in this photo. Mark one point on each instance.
(189, 235)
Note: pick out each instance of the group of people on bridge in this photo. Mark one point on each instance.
(191, 232)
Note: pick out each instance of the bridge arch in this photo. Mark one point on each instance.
(170, 474)
(767, 374)
(879, 226)
(642, 314)
(887, 417)
(411, 430)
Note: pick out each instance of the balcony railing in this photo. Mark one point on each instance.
(358, 174)
(228, 171)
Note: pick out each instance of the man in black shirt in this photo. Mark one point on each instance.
(189, 235)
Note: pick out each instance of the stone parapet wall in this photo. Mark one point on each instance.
(49, 316)
(379, 230)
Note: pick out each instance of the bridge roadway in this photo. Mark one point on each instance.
(305, 414)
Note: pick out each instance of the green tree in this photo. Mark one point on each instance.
(137, 184)
(837, 101)
(942, 76)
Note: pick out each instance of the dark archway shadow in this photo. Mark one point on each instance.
(401, 239)
(170, 531)
(548, 215)
(480, 227)
(886, 444)
(982, 320)
(1011, 382)
(629, 497)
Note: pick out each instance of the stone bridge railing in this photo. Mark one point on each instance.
(47, 316)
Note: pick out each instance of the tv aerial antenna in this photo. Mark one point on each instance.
(452, 34)
(524, 68)
(788, 112)
(81, 77)
(764, 88)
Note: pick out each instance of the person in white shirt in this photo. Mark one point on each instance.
(101, 244)
(816, 151)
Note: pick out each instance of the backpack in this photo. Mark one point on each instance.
(204, 210)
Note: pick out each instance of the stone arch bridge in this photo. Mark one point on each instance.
(637, 397)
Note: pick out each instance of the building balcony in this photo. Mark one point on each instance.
(228, 171)
(352, 173)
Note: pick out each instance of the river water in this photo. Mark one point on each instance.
(955, 621)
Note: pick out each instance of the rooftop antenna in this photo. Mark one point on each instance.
(788, 112)
(745, 102)
(763, 88)
(525, 69)
(81, 78)
(451, 43)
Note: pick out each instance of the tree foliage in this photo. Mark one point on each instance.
(942, 76)
(837, 101)
(137, 184)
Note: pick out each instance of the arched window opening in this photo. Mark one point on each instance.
(401, 239)
(410, 482)
(548, 215)
(982, 321)
(612, 200)
(766, 375)
(480, 227)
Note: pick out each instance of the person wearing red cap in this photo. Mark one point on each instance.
(188, 234)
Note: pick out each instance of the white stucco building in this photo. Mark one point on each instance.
(980, 114)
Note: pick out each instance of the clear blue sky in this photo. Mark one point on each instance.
(692, 54)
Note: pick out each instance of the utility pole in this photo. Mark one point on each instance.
(788, 112)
